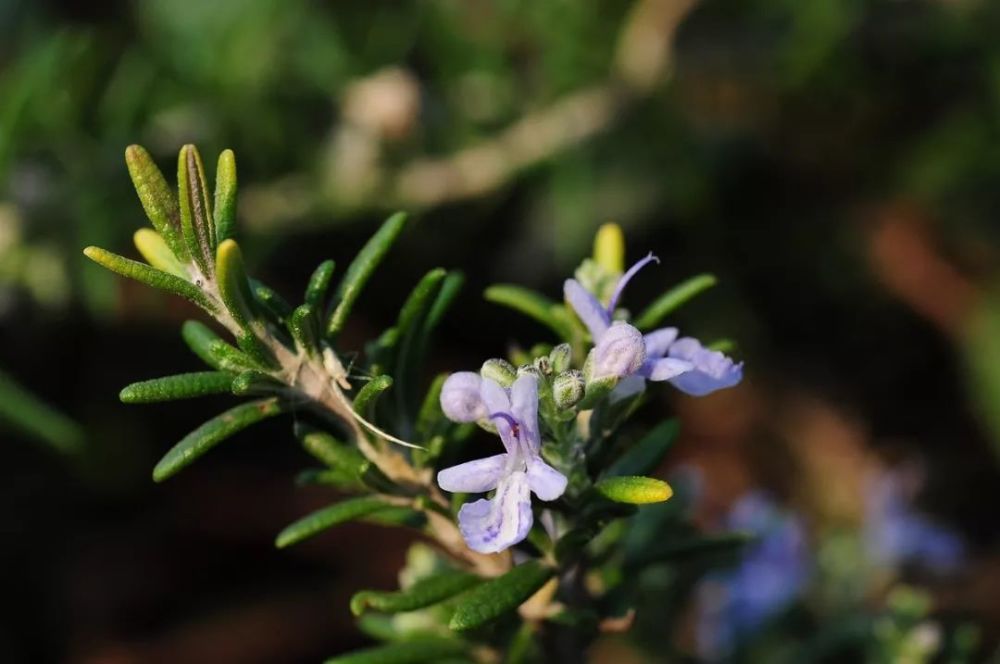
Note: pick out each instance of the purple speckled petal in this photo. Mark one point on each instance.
(658, 341)
(665, 368)
(524, 406)
(632, 271)
(545, 481)
(460, 399)
(587, 308)
(477, 476)
(712, 370)
(493, 525)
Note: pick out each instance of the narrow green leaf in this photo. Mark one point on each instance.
(22, 410)
(304, 326)
(225, 196)
(420, 650)
(209, 434)
(157, 199)
(319, 284)
(410, 327)
(446, 296)
(272, 303)
(233, 284)
(423, 593)
(722, 345)
(371, 391)
(255, 383)
(199, 339)
(150, 276)
(329, 450)
(498, 596)
(646, 455)
(673, 299)
(430, 414)
(361, 269)
(634, 490)
(180, 386)
(318, 521)
(530, 303)
(690, 548)
(196, 213)
(156, 252)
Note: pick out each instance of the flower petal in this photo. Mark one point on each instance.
(493, 525)
(665, 368)
(546, 482)
(658, 341)
(460, 398)
(587, 308)
(712, 370)
(524, 407)
(494, 396)
(620, 352)
(476, 476)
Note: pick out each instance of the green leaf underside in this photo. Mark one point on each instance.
(361, 269)
(149, 275)
(531, 304)
(180, 386)
(320, 520)
(419, 650)
(645, 455)
(634, 490)
(157, 199)
(501, 595)
(421, 594)
(673, 299)
(212, 432)
(197, 224)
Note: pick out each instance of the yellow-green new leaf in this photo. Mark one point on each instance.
(234, 286)
(150, 276)
(423, 593)
(634, 490)
(361, 269)
(197, 224)
(501, 595)
(213, 432)
(180, 386)
(609, 248)
(154, 249)
(673, 299)
(328, 517)
(225, 196)
(157, 199)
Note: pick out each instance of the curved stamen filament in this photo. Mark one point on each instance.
(620, 286)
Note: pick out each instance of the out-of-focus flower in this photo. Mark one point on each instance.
(771, 575)
(460, 399)
(895, 534)
(620, 350)
(495, 524)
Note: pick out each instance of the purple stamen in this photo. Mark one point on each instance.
(620, 286)
(514, 425)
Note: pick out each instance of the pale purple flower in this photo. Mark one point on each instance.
(494, 524)
(685, 363)
(460, 399)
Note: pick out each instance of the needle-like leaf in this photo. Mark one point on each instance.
(225, 196)
(157, 199)
(180, 386)
(150, 276)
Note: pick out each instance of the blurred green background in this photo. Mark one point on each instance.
(836, 163)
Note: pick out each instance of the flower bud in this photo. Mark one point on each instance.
(620, 352)
(560, 358)
(543, 365)
(529, 370)
(568, 388)
(499, 371)
(460, 398)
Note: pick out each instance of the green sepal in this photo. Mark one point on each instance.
(180, 386)
(634, 490)
(304, 326)
(211, 433)
(417, 650)
(369, 394)
(234, 287)
(271, 302)
(255, 383)
(319, 284)
(532, 304)
(197, 225)
(596, 390)
(157, 199)
(150, 276)
(157, 253)
(672, 300)
(498, 596)
(646, 455)
(320, 520)
(361, 269)
(426, 592)
(225, 196)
